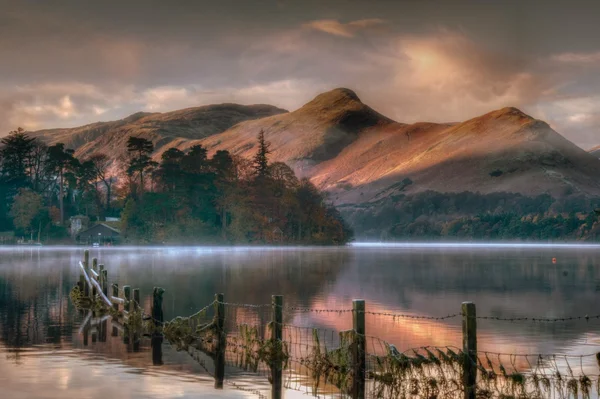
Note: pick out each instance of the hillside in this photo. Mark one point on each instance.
(162, 128)
(595, 151)
(360, 156)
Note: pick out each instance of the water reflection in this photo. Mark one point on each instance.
(504, 282)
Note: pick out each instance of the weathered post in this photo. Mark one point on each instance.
(221, 341)
(136, 307)
(127, 307)
(359, 344)
(469, 328)
(277, 338)
(115, 293)
(127, 295)
(87, 292)
(91, 275)
(104, 280)
(157, 311)
(136, 299)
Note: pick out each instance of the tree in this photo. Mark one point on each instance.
(140, 162)
(101, 163)
(170, 172)
(27, 204)
(60, 161)
(261, 161)
(15, 158)
(38, 171)
(87, 185)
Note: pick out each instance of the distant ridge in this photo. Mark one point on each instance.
(595, 151)
(360, 156)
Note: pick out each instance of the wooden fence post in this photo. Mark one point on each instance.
(86, 264)
(104, 280)
(115, 293)
(360, 353)
(127, 307)
(469, 328)
(157, 311)
(136, 299)
(221, 340)
(91, 275)
(127, 294)
(277, 338)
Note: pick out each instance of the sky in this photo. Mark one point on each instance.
(71, 62)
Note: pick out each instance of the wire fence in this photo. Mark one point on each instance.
(324, 362)
(270, 340)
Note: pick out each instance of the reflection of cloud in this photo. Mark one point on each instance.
(337, 28)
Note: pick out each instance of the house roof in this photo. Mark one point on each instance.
(100, 224)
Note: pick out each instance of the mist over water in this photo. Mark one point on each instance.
(42, 351)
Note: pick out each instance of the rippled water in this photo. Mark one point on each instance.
(43, 355)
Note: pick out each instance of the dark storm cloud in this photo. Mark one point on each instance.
(65, 63)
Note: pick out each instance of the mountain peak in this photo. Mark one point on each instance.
(511, 112)
(335, 98)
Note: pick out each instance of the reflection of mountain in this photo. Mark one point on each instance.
(502, 283)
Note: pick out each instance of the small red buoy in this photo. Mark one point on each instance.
(553, 260)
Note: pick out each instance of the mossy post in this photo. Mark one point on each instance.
(104, 281)
(277, 338)
(157, 319)
(127, 295)
(86, 264)
(469, 328)
(136, 299)
(115, 293)
(222, 340)
(94, 268)
(127, 307)
(157, 302)
(360, 352)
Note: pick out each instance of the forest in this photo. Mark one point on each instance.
(467, 215)
(186, 198)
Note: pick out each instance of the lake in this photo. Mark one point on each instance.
(43, 355)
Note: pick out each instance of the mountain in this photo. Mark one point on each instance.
(360, 156)
(595, 151)
(162, 128)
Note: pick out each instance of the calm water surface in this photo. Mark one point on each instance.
(43, 354)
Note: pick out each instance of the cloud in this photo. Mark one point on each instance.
(578, 58)
(336, 28)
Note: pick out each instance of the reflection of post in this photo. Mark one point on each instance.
(156, 342)
(360, 358)
(221, 340)
(469, 327)
(103, 327)
(277, 338)
(157, 320)
(86, 330)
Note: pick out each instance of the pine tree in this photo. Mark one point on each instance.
(261, 161)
